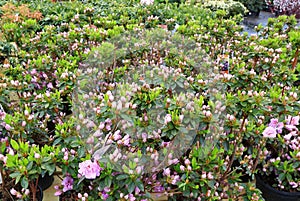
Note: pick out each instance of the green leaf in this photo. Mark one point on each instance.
(122, 177)
(32, 172)
(109, 199)
(281, 176)
(46, 159)
(289, 177)
(107, 181)
(14, 144)
(57, 141)
(139, 184)
(75, 144)
(24, 182)
(15, 174)
(194, 163)
(131, 187)
(29, 165)
(49, 167)
(81, 152)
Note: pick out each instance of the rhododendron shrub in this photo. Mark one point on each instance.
(280, 157)
(288, 7)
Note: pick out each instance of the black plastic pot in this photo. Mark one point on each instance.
(40, 195)
(46, 181)
(272, 194)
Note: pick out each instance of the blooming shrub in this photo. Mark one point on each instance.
(231, 7)
(144, 121)
(281, 155)
(287, 7)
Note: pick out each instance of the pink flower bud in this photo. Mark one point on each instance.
(187, 162)
(23, 123)
(27, 192)
(13, 191)
(37, 155)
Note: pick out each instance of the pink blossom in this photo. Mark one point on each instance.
(291, 128)
(3, 158)
(49, 85)
(292, 120)
(37, 155)
(168, 118)
(7, 127)
(269, 132)
(27, 192)
(167, 172)
(79, 195)
(126, 140)
(277, 125)
(67, 183)
(58, 193)
(13, 191)
(187, 162)
(144, 137)
(288, 136)
(147, 2)
(89, 169)
(117, 135)
(175, 179)
(102, 125)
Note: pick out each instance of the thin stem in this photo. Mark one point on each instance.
(256, 159)
(295, 61)
(235, 147)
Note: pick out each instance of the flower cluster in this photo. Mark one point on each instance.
(288, 7)
(282, 153)
(124, 107)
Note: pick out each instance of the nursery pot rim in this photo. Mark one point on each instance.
(270, 188)
(41, 193)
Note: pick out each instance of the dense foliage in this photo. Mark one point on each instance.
(130, 98)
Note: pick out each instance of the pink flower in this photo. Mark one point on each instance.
(175, 179)
(37, 155)
(291, 128)
(277, 125)
(67, 183)
(292, 120)
(167, 172)
(147, 2)
(27, 192)
(89, 169)
(117, 135)
(144, 137)
(13, 191)
(269, 132)
(126, 140)
(168, 118)
(288, 136)
(58, 193)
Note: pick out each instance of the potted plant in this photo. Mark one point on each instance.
(277, 177)
(141, 119)
(22, 165)
(286, 7)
